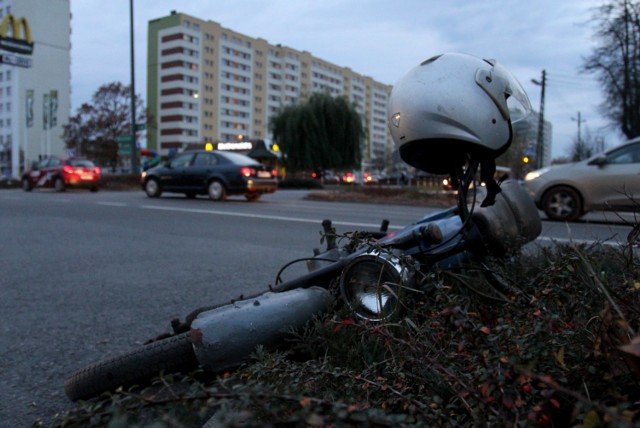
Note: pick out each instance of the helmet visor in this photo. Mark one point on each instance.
(505, 91)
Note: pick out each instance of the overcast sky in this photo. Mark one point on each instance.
(379, 38)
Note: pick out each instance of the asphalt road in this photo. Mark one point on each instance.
(88, 275)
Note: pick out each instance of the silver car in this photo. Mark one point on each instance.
(608, 181)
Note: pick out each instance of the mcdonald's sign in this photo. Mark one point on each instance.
(10, 39)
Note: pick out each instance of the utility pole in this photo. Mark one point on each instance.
(540, 140)
(579, 120)
(134, 143)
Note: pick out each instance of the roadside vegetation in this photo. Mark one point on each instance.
(561, 350)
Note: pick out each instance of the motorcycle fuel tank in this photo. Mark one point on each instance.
(225, 337)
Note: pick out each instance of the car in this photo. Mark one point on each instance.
(349, 178)
(608, 181)
(502, 173)
(61, 173)
(217, 174)
(370, 178)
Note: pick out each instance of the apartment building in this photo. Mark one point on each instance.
(35, 72)
(209, 84)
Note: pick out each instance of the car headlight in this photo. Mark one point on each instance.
(535, 174)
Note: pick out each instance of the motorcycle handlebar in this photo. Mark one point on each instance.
(322, 275)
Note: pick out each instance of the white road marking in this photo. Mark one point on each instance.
(262, 216)
(112, 204)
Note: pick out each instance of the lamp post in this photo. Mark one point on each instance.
(134, 148)
(540, 139)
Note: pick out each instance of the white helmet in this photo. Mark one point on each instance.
(454, 106)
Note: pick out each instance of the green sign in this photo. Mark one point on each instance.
(124, 144)
(124, 150)
(141, 127)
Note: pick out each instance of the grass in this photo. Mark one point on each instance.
(410, 195)
(561, 349)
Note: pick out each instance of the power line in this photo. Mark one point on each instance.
(572, 81)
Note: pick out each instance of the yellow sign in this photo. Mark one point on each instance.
(11, 41)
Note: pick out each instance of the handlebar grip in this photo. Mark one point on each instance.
(430, 234)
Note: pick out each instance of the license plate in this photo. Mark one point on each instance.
(264, 174)
(86, 177)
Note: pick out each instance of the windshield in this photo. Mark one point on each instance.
(83, 163)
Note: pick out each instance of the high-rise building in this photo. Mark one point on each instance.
(207, 84)
(35, 70)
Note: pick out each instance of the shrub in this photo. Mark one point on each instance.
(461, 354)
(299, 183)
(121, 182)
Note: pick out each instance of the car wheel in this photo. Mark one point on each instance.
(152, 188)
(26, 185)
(562, 204)
(252, 197)
(59, 184)
(93, 189)
(216, 190)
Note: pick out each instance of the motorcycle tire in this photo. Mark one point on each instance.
(138, 367)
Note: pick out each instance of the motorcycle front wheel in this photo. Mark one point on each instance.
(171, 355)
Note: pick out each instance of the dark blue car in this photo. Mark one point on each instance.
(214, 173)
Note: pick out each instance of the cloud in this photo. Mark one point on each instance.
(378, 38)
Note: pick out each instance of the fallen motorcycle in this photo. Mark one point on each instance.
(372, 273)
(374, 280)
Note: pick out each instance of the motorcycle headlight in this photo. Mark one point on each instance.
(371, 283)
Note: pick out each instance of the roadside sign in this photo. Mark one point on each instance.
(124, 149)
(124, 144)
(124, 139)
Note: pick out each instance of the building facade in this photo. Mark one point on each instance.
(35, 84)
(209, 84)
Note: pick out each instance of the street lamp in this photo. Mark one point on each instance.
(134, 149)
(540, 139)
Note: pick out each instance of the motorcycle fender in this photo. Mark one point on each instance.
(225, 337)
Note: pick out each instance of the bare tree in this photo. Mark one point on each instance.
(586, 146)
(616, 62)
(92, 131)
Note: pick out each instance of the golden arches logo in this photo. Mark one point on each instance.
(13, 42)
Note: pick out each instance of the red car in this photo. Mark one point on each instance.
(62, 173)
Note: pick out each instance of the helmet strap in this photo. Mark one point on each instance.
(487, 174)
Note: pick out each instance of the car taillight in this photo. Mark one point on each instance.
(97, 170)
(247, 172)
(68, 169)
(274, 173)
